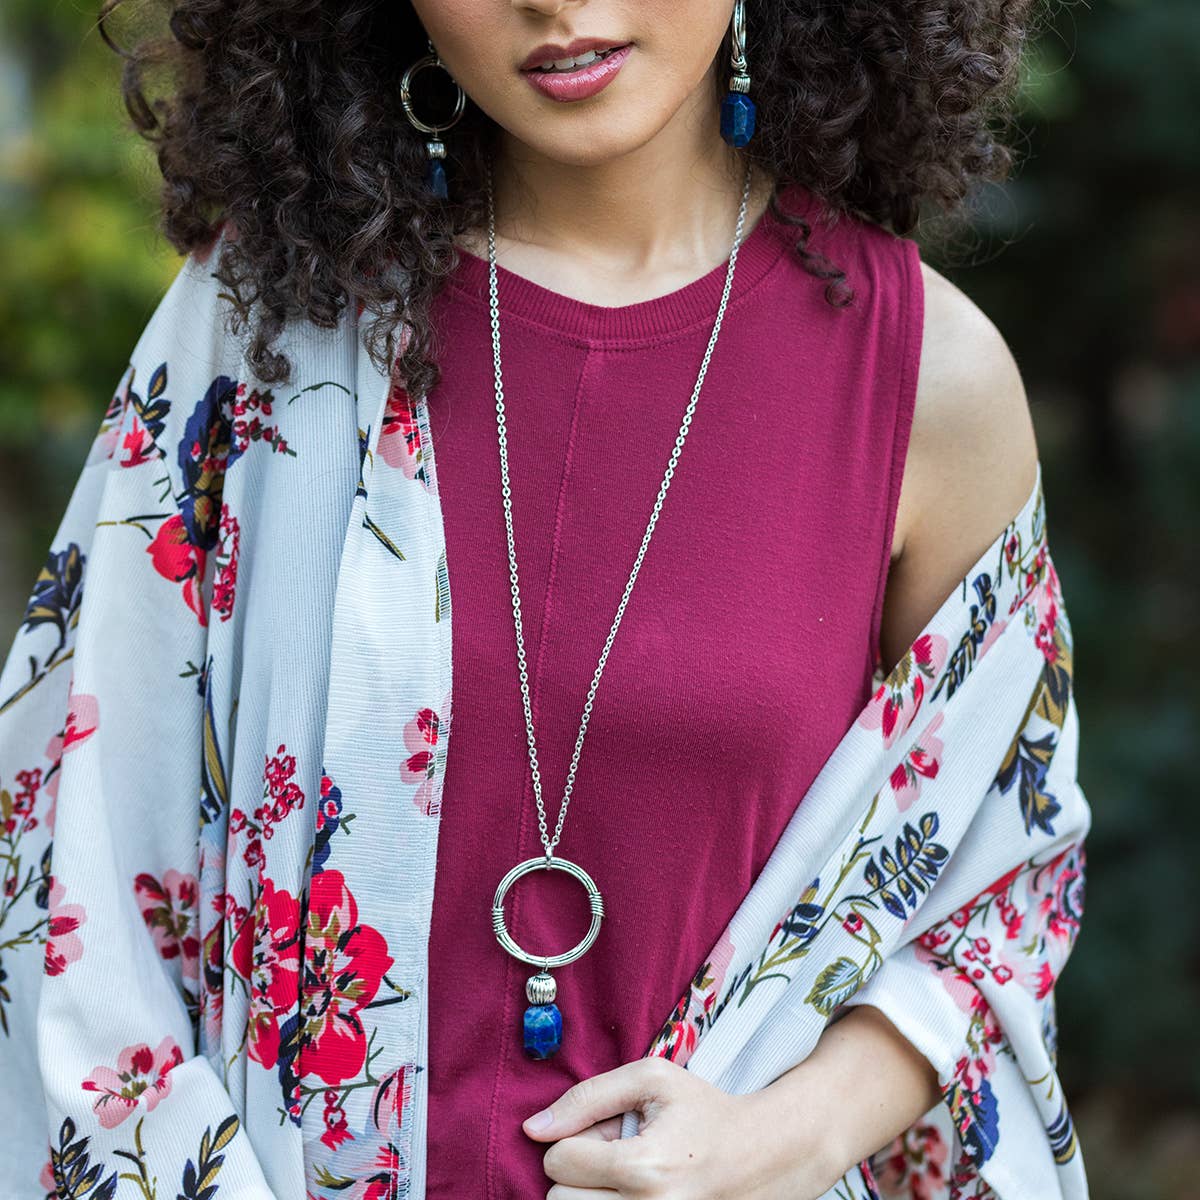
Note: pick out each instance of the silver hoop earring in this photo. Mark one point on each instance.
(435, 172)
(737, 109)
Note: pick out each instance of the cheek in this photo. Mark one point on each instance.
(472, 36)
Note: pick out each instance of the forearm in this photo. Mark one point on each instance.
(863, 1084)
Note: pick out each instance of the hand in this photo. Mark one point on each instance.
(695, 1142)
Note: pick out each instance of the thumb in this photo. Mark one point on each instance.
(592, 1100)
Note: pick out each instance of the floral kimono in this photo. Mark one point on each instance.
(223, 732)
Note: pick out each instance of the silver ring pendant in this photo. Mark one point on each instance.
(541, 863)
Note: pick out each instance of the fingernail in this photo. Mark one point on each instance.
(540, 1120)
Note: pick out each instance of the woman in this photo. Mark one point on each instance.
(648, 202)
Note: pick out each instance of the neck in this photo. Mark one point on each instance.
(656, 211)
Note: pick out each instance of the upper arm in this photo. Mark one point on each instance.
(971, 461)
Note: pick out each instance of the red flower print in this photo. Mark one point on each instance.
(63, 946)
(275, 971)
(336, 1128)
(169, 910)
(281, 796)
(369, 1163)
(20, 818)
(141, 1075)
(245, 415)
(177, 559)
(139, 445)
(914, 1165)
(344, 963)
(421, 741)
(228, 549)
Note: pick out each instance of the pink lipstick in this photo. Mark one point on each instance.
(580, 82)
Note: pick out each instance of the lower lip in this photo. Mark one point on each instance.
(581, 83)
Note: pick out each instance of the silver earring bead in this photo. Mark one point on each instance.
(435, 172)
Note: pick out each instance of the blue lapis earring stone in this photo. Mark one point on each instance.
(543, 1021)
(737, 118)
(435, 172)
(435, 178)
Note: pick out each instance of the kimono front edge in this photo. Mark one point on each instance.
(212, 981)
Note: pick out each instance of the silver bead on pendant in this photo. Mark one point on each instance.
(543, 1021)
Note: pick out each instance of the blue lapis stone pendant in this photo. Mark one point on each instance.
(543, 1021)
(737, 118)
(543, 1024)
(435, 172)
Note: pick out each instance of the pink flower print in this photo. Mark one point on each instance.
(983, 1036)
(275, 971)
(63, 945)
(169, 910)
(141, 1075)
(995, 629)
(82, 720)
(921, 762)
(46, 1180)
(914, 1165)
(421, 766)
(1009, 964)
(706, 986)
(897, 700)
(400, 438)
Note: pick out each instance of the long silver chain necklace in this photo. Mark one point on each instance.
(543, 1022)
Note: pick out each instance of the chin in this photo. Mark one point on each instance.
(588, 143)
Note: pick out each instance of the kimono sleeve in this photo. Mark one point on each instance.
(101, 721)
(974, 988)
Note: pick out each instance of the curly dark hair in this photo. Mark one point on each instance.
(283, 119)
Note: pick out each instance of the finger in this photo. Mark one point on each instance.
(607, 1130)
(609, 1094)
(562, 1191)
(585, 1160)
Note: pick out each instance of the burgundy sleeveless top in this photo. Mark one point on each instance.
(744, 654)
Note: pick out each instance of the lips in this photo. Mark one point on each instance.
(581, 82)
(592, 57)
(549, 52)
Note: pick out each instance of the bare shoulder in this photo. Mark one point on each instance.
(971, 462)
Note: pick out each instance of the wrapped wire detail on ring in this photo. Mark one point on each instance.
(435, 172)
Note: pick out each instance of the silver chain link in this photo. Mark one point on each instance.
(507, 493)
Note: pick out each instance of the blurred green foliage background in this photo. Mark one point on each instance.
(1088, 261)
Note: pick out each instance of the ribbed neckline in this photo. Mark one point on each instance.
(694, 303)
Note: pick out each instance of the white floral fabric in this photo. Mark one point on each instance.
(224, 722)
